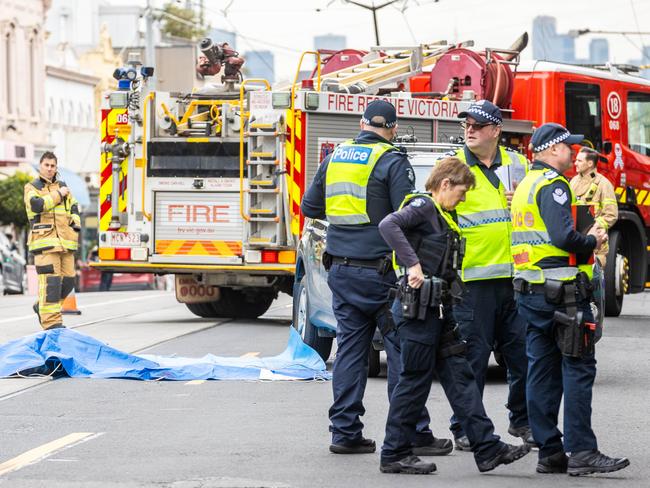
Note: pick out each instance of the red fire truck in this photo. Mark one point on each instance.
(208, 185)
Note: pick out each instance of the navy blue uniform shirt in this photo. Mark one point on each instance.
(489, 173)
(419, 211)
(554, 202)
(390, 181)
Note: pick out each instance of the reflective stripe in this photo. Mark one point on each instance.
(69, 244)
(50, 308)
(485, 217)
(608, 201)
(534, 186)
(541, 275)
(345, 188)
(44, 243)
(532, 237)
(487, 272)
(348, 219)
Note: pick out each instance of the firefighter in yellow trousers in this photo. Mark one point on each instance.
(592, 188)
(54, 220)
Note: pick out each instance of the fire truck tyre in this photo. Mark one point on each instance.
(374, 366)
(616, 275)
(307, 330)
(204, 310)
(241, 305)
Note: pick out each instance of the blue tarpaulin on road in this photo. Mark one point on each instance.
(82, 356)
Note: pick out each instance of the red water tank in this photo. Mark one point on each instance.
(336, 60)
(469, 70)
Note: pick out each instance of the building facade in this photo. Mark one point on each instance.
(23, 128)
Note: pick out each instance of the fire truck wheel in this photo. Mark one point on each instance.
(204, 310)
(616, 275)
(307, 330)
(249, 304)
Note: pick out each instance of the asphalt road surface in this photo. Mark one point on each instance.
(125, 433)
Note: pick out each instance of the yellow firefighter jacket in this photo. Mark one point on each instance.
(595, 189)
(54, 221)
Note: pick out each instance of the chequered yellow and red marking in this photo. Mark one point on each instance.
(114, 123)
(178, 247)
(642, 196)
(296, 124)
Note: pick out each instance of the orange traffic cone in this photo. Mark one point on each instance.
(69, 306)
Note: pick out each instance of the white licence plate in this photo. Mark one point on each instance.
(128, 239)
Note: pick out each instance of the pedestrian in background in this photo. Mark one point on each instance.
(54, 221)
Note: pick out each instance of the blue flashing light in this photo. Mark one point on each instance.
(124, 85)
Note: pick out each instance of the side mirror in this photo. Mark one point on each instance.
(607, 147)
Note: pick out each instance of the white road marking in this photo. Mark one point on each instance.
(46, 450)
(195, 382)
(83, 307)
(250, 355)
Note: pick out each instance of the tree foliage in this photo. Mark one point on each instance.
(177, 28)
(12, 206)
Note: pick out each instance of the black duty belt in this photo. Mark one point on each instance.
(361, 263)
(524, 287)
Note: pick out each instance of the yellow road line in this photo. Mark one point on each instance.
(195, 382)
(250, 355)
(41, 452)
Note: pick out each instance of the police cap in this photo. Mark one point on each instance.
(550, 134)
(383, 109)
(484, 112)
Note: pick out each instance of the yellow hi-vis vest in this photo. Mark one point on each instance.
(346, 181)
(52, 219)
(530, 239)
(485, 221)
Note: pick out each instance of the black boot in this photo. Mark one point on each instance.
(408, 465)
(524, 433)
(506, 455)
(35, 309)
(439, 447)
(555, 463)
(361, 446)
(462, 443)
(588, 462)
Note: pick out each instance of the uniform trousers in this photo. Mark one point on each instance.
(420, 361)
(488, 316)
(359, 300)
(552, 375)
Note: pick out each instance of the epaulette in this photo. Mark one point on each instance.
(549, 174)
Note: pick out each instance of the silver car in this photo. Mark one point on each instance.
(312, 299)
(12, 267)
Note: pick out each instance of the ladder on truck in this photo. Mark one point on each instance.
(265, 212)
(379, 70)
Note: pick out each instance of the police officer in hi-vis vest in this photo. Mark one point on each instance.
(553, 284)
(488, 315)
(355, 187)
(429, 250)
(54, 221)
